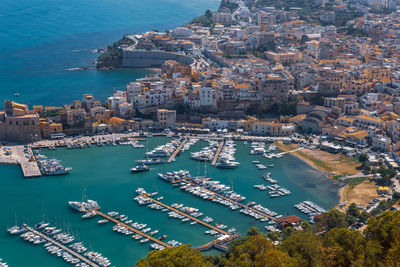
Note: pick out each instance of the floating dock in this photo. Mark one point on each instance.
(72, 252)
(214, 161)
(132, 229)
(186, 215)
(177, 151)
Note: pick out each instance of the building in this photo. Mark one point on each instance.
(166, 118)
(272, 128)
(289, 221)
(206, 96)
(381, 143)
(284, 58)
(364, 122)
(222, 18)
(18, 124)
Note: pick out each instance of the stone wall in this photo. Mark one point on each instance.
(151, 58)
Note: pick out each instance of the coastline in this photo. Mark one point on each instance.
(310, 163)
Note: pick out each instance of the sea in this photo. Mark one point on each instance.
(104, 174)
(43, 41)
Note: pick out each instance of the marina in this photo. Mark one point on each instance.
(92, 166)
(184, 214)
(56, 243)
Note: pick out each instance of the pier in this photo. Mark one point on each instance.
(214, 161)
(177, 151)
(132, 229)
(72, 252)
(29, 165)
(186, 215)
(235, 202)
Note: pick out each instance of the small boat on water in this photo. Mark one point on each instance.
(162, 237)
(102, 221)
(140, 168)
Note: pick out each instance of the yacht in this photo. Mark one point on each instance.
(226, 164)
(15, 230)
(102, 221)
(140, 168)
(150, 161)
(89, 214)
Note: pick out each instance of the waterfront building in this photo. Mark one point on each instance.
(18, 124)
(166, 118)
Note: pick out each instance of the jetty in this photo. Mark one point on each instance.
(132, 229)
(234, 202)
(185, 214)
(23, 157)
(214, 161)
(72, 252)
(177, 151)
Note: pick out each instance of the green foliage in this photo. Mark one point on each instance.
(180, 256)
(355, 181)
(383, 206)
(384, 231)
(344, 247)
(363, 157)
(253, 231)
(331, 219)
(112, 57)
(204, 20)
(387, 173)
(50, 113)
(257, 250)
(274, 236)
(379, 245)
(317, 100)
(306, 247)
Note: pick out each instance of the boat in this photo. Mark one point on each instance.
(16, 94)
(89, 214)
(162, 237)
(140, 168)
(150, 161)
(103, 221)
(226, 164)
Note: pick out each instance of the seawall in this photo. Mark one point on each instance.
(151, 58)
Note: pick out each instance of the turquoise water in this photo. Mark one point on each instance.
(40, 39)
(104, 172)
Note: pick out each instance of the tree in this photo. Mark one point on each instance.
(253, 231)
(387, 174)
(363, 157)
(257, 250)
(274, 235)
(384, 232)
(306, 247)
(331, 219)
(180, 256)
(344, 247)
(208, 14)
(352, 210)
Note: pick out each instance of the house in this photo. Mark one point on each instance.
(289, 221)
(166, 118)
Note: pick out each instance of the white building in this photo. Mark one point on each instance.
(206, 96)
